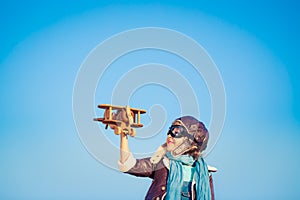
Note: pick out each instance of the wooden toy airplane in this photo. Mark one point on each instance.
(124, 120)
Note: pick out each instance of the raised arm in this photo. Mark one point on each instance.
(128, 164)
(124, 148)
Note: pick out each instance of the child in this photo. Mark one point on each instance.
(177, 168)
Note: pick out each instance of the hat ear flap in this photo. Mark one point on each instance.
(182, 148)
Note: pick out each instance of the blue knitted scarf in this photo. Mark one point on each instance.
(175, 177)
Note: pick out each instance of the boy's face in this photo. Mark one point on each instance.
(173, 142)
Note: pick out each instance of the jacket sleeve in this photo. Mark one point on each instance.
(138, 167)
(211, 187)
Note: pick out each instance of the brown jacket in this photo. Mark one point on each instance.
(159, 173)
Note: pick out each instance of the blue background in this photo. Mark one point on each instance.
(255, 46)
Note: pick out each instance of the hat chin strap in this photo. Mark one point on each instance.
(182, 148)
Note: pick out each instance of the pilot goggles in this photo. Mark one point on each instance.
(178, 131)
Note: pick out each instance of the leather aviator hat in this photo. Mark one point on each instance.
(195, 133)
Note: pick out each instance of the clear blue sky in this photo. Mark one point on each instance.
(43, 44)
